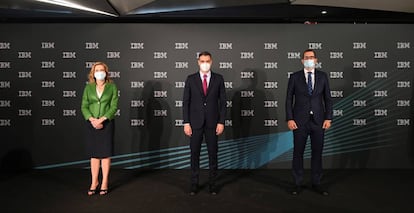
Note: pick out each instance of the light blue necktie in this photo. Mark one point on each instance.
(310, 83)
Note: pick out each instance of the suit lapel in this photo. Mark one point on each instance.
(211, 83)
(317, 81)
(199, 83)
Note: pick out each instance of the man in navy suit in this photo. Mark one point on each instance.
(308, 113)
(204, 109)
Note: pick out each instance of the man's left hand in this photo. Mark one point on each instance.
(219, 129)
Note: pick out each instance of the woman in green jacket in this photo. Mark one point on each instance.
(99, 105)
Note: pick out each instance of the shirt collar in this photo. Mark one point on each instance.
(202, 74)
(312, 71)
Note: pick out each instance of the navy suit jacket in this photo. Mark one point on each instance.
(204, 110)
(299, 103)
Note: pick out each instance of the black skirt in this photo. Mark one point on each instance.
(99, 142)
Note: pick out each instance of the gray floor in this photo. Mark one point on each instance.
(64, 190)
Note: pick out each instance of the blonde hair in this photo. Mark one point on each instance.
(91, 76)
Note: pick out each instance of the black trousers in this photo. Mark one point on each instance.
(300, 136)
(212, 147)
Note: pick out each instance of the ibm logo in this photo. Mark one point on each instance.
(25, 112)
(270, 46)
(270, 65)
(360, 84)
(181, 65)
(24, 54)
(115, 74)
(47, 45)
(359, 45)
(25, 93)
(137, 84)
(137, 103)
(403, 84)
(247, 55)
(360, 103)
(225, 46)
(380, 55)
(179, 84)
(380, 93)
(5, 103)
(315, 46)
(69, 93)
(270, 84)
(338, 112)
(359, 64)
(160, 113)
(179, 122)
(360, 122)
(48, 84)
(293, 55)
(137, 122)
(228, 84)
(336, 55)
(337, 93)
(225, 65)
(229, 104)
(118, 112)
(268, 122)
(48, 103)
(160, 75)
(137, 46)
(181, 46)
(270, 104)
(336, 75)
(247, 113)
(289, 73)
(403, 122)
(4, 65)
(247, 75)
(68, 55)
(4, 84)
(47, 64)
(403, 103)
(160, 55)
(91, 45)
(113, 54)
(69, 75)
(228, 123)
(69, 112)
(247, 94)
(89, 64)
(403, 65)
(178, 103)
(160, 94)
(318, 65)
(380, 112)
(5, 122)
(380, 74)
(137, 65)
(4, 45)
(48, 122)
(403, 45)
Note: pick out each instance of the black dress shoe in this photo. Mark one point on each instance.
(319, 189)
(296, 190)
(213, 190)
(193, 189)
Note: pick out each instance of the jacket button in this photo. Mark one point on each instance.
(205, 104)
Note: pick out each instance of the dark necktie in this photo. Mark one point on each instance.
(310, 83)
(205, 84)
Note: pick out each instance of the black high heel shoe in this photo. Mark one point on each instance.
(92, 192)
(103, 192)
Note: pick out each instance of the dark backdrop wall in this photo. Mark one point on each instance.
(44, 67)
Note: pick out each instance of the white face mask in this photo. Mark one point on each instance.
(100, 75)
(309, 63)
(205, 67)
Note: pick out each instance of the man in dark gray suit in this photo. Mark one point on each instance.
(308, 113)
(204, 109)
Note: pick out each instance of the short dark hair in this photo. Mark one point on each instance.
(204, 53)
(309, 50)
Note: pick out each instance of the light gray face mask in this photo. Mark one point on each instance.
(100, 75)
(205, 67)
(309, 63)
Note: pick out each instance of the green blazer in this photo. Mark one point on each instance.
(94, 107)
